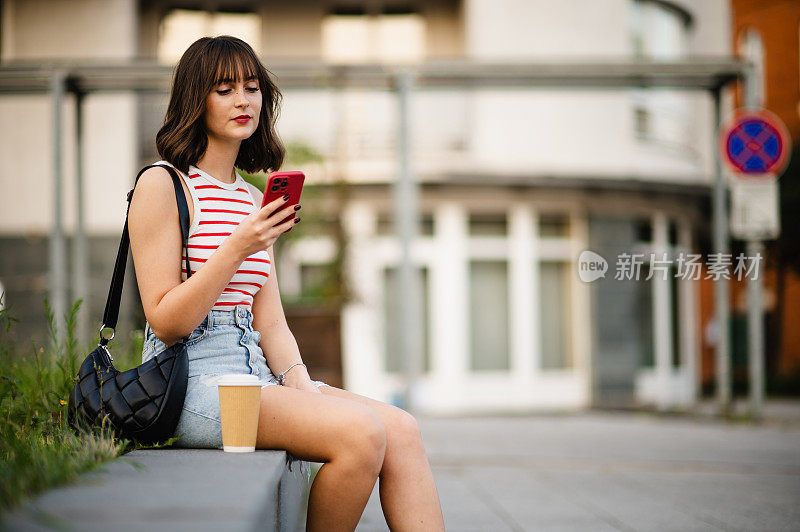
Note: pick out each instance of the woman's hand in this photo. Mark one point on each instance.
(262, 228)
(298, 378)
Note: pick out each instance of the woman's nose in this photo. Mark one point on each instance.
(241, 99)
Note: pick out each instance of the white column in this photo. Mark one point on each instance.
(662, 323)
(361, 328)
(689, 318)
(581, 316)
(524, 299)
(449, 306)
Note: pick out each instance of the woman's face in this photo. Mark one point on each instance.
(228, 101)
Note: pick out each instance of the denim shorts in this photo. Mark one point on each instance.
(225, 342)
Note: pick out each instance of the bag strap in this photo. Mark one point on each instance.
(111, 313)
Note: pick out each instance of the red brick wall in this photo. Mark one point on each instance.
(778, 22)
(789, 359)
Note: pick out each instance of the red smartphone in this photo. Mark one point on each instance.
(281, 183)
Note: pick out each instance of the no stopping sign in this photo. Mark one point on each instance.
(755, 144)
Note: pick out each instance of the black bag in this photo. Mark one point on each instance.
(143, 403)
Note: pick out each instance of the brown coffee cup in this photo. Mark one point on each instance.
(239, 405)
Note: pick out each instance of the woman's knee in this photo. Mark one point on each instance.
(364, 439)
(403, 429)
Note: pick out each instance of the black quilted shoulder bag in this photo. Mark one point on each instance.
(143, 403)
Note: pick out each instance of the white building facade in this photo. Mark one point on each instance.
(514, 184)
(538, 176)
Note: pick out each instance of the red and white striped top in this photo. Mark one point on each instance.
(218, 209)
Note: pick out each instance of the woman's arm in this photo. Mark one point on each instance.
(174, 308)
(277, 341)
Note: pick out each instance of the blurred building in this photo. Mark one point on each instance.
(767, 33)
(514, 184)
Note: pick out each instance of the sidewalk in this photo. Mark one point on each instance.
(613, 471)
(594, 470)
(775, 411)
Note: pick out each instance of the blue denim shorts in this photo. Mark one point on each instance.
(225, 342)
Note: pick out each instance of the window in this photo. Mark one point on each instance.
(553, 225)
(391, 313)
(675, 318)
(644, 302)
(488, 224)
(488, 288)
(352, 36)
(385, 225)
(643, 317)
(672, 233)
(554, 311)
(181, 27)
(658, 31)
(641, 121)
(643, 230)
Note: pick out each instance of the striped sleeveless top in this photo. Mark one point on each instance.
(218, 209)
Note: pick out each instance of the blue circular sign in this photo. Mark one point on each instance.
(756, 144)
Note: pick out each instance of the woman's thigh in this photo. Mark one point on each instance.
(315, 426)
(389, 414)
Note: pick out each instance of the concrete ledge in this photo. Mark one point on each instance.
(176, 489)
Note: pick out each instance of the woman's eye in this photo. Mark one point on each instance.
(226, 91)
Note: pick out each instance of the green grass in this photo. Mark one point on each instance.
(38, 450)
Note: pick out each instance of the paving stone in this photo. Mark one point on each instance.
(598, 470)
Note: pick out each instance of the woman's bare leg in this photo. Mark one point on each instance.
(408, 492)
(347, 436)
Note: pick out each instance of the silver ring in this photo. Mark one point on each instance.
(102, 328)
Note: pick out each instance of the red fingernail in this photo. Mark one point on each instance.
(286, 197)
(296, 220)
(297, 207)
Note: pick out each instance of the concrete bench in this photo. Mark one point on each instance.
(176, 489)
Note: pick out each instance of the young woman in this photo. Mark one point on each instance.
(221, 116)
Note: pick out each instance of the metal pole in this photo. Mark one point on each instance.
(721, 288)
(405, 209)
(755, 332)
(755, 323)
(80, 270)
(57, 248)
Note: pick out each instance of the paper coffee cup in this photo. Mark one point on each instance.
(239, 404)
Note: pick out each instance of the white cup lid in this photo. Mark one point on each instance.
(238, 379)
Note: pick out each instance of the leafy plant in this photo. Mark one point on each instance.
(38, 450)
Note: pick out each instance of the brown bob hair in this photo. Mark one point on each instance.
(208, 62)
